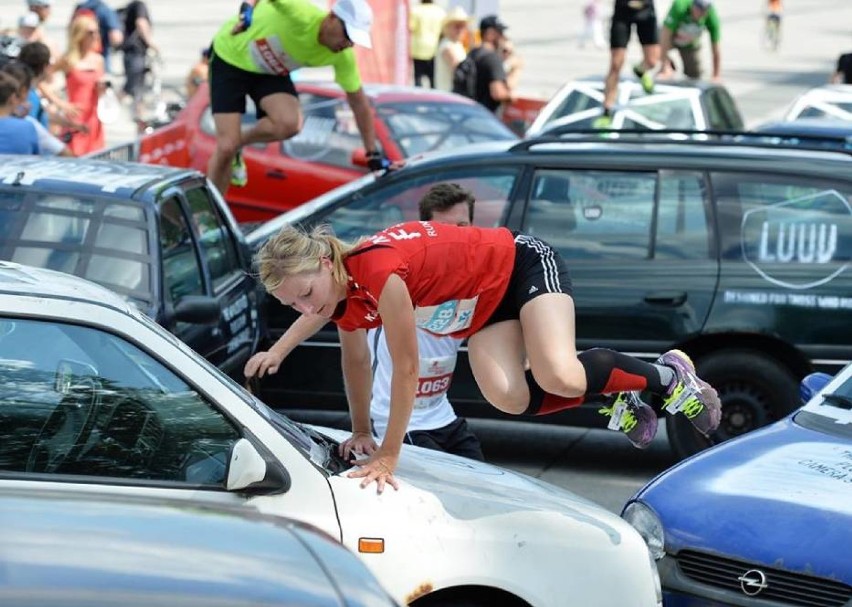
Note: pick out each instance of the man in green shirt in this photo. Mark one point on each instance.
(254, 53)
(682, 29)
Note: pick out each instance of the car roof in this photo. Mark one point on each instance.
(644, 145)
(17, 279)
(137, 548)
(387, 93)
(598, 82)
(95, 177)
(812, 126)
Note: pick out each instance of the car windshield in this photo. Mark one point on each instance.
(419, 127)
(830, 410)
(835, 109)
(102, 240)
(669, 108)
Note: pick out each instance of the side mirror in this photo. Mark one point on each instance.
(198, 309)
(250, 472)
(811, 384)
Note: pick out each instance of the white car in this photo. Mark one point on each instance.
(95, 397)
(832, 101)
(688, 105)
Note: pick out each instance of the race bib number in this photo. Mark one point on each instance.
(436, 374)
(269, 55)
(446, 318)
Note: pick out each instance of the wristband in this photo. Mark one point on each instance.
(246, 12)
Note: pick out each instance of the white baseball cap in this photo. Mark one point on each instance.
(357, 17)
(29, 19)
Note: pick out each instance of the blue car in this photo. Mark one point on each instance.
(765, 519)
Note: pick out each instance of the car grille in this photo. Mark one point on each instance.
(784, 586)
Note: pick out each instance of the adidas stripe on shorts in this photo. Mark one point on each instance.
(538, 269)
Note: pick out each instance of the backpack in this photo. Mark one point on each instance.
(464, 76)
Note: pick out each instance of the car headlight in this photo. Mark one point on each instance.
(648, 524)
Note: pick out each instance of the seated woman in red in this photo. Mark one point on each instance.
(509, 294)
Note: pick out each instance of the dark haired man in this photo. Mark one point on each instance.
(492, 87)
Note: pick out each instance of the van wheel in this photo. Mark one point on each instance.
(755, 390)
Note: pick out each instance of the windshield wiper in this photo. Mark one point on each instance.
(838, 400)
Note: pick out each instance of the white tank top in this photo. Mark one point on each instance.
(432, 409)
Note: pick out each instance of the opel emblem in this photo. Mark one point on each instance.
(753, 582)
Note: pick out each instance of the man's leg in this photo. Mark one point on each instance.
(619, 35)
(691, 62)
(281, 119)
(227, 144)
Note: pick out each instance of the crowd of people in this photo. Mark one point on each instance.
(71, 90)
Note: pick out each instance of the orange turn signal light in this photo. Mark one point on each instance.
(371, 545)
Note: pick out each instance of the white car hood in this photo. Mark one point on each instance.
(468, 489)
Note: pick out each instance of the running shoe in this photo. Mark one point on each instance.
(690, 395)
(602, 122)
(645, 78)
(630, 415)
(239, 172)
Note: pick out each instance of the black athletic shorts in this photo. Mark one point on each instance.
(229, 86)
(538, 269)
(645, 19)
(455, 438)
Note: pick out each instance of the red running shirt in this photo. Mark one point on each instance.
(456, 276)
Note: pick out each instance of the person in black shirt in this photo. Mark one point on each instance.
(138, 41)
(843, 72)
(492, 88)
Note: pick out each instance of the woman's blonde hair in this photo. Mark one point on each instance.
(77, 32)
(293, 251)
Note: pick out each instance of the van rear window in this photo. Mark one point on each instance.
(102, 240)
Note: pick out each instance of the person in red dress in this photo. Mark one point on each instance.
(508, 293)
(83, 67)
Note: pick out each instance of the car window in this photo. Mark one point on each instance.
(93, 404)
(217, 245)
(593, 214)
(181, 270)
(721, 102)
(837, 110)
(776, 221)
(682, 226)
(578, 101)
(384, 205)
(425, 127)
(329, 133)
(673, 113)
(105, 241)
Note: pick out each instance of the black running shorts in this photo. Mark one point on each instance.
(538, 269)
(229, 86)
(645, 20)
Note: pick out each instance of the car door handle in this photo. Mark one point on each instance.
(666, 298)
(276, 174)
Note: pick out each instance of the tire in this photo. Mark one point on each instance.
(755, 390)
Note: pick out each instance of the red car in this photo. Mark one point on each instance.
(328, 152)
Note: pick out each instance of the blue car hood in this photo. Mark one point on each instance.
(780, 497)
